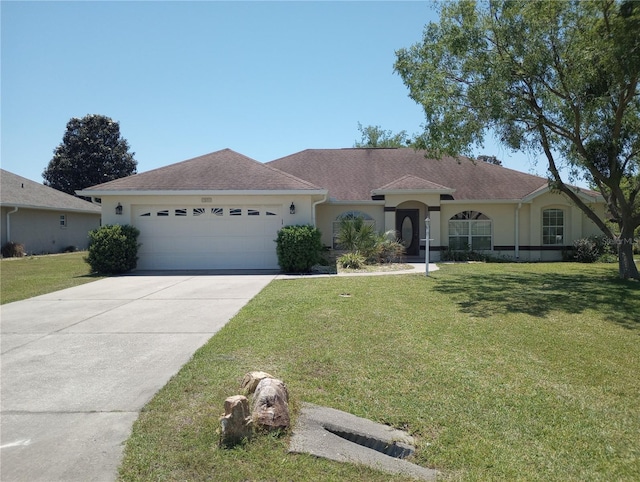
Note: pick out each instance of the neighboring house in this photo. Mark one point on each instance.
(223, 210)
(42, 219)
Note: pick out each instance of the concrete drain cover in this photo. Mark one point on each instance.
(335, 435)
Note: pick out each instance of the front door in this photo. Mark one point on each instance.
(408, 229)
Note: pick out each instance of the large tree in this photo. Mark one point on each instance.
(92, 152)
(557, 77)
(376, 136)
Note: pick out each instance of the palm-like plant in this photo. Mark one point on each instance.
(357, 236)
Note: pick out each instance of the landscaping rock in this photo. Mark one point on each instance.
(270, 409)
(251, 380)
(236, 422)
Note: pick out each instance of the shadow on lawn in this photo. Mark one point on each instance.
(538, 294)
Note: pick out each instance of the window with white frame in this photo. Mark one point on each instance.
(63, 220)
(553, 227)
(470, 230)
(347, 216)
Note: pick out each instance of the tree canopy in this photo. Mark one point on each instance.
(92, 152)
(376, 136)
(557, 78)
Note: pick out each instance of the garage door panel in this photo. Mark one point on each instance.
(207, 238)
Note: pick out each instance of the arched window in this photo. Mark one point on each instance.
(470, 230)
(349, 215)
(553, 227)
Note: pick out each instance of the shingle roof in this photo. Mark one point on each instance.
(224, 170)
(352, 174)
(17, 191)
(410, 182)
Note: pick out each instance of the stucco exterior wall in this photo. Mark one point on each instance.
(516, 226)
(303, 205)
(40, 231)
(328, 213)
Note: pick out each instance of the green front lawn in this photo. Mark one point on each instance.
(501, 372)
(22, 278)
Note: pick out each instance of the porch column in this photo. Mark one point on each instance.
(389, 218)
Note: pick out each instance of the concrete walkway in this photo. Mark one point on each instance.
(78, 365)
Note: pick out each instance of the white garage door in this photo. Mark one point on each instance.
(212, 237)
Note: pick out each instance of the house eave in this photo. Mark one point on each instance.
(355, 201)
(412, 191)
(484, 201)
(50, 208)
(578, 191)
(204, 192)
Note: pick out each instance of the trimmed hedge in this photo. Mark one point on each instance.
(299, 248)
(113, 249)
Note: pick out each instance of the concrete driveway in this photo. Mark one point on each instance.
(78, 365)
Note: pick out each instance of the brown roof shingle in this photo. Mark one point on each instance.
(17, 191)
(352, 174)
(410, 182)
(223, 170)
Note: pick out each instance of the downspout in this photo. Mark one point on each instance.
(517, 247)
(15, 210)
(313, 209)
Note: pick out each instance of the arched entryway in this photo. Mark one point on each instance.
(409, 216)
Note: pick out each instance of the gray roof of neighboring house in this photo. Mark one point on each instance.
(354, 173)
(223, 170)
(18, 191)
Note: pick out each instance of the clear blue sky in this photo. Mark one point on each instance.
(266, 79)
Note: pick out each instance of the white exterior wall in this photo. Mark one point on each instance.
(187, 231)
(303, 204)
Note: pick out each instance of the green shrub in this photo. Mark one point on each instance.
(608, 258)
(353, 260)
(113, 249)
(388, 249)
(591, 249)
(355, 235)
(12, 250)
(468, 254)
(298, 248)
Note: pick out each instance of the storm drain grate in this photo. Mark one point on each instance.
(343, 437)
(392, 450)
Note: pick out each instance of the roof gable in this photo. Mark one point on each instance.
(18, 191)
(223, 170)
(352, 174)
(411, 183)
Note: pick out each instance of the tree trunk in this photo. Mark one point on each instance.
(627, 266)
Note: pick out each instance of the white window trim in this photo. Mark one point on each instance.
(564, 225)
(470, 235)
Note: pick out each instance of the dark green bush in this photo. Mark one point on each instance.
(12, 250)
(298, 248)
(593, 248)
(113, 249)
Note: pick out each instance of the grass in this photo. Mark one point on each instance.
(500, 371)
(22, 278)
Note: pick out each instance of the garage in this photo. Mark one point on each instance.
(222, 210)
(207, 237)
